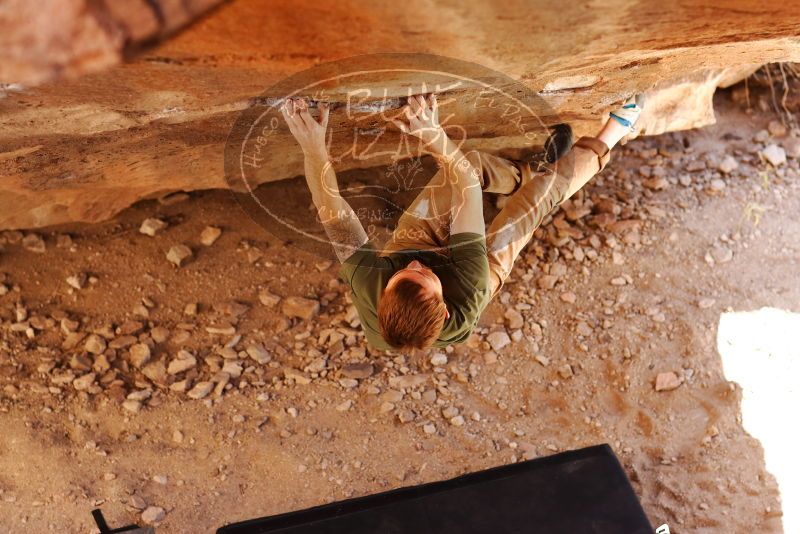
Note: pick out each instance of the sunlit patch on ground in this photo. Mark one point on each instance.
(761, 351)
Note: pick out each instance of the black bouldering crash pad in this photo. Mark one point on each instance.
(582, 491)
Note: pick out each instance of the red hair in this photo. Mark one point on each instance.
(408, 318)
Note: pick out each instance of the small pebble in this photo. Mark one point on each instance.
(178, 255)
(152, 226)
(209, 235)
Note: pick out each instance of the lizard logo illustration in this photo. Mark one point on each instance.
(381, 170)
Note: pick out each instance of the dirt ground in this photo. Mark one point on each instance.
(627, 282)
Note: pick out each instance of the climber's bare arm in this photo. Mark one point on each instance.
(420, 118)
(341, 223)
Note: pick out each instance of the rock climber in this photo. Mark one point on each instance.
(441, 267)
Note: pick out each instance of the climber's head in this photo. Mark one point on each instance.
(411, 310)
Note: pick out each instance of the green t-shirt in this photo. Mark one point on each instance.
(463, 269)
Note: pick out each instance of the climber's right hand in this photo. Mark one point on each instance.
(308, 132)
